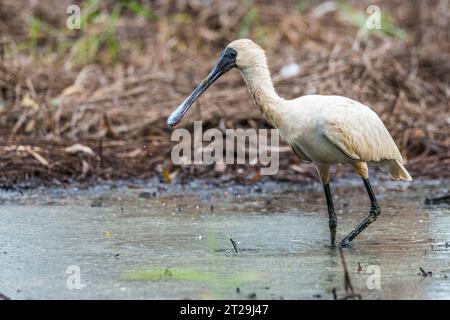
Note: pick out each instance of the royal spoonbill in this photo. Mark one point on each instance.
(321, 129)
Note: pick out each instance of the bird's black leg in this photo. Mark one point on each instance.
(331, 214)
(375, 211)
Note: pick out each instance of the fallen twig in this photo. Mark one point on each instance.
(234, 245)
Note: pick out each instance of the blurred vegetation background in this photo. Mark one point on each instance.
(91, 104)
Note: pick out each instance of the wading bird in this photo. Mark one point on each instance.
(324, 130)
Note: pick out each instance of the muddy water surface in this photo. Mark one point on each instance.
(151, 241)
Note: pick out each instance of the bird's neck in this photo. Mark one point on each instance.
(259, 83)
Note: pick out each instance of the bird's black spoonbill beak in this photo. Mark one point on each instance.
(227, 61)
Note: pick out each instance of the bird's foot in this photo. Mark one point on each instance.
(333, 241)
(333, 232)
(344, 243)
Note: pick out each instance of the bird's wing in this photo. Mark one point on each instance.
(358, 132)
(300, 153)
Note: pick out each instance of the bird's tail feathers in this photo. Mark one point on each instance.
(394, 169)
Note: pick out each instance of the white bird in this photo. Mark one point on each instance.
(324, 130)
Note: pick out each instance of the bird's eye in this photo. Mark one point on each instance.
(232, 54)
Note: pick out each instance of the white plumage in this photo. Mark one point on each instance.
(335, 129)
(324, 130)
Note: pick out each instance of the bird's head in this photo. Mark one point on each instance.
(242, 54)
(249, 54)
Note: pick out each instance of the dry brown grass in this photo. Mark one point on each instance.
(49, 102)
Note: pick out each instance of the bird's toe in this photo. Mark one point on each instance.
(344, 243)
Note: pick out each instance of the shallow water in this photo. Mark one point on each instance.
(151, 241)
